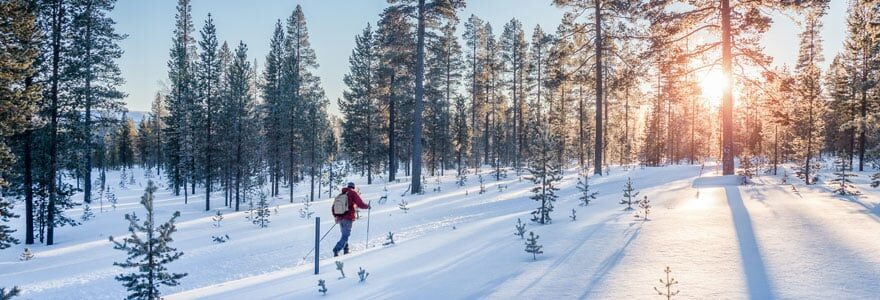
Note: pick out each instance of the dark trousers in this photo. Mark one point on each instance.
(345, 227)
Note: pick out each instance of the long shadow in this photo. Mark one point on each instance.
(756, 272)
(612, 261)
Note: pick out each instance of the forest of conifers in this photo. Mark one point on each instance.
(616, 83)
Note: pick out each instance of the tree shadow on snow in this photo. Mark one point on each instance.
(610, 263)
(756, 272)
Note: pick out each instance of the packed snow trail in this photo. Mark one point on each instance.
(721, 239)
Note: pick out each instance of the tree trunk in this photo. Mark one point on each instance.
(598, 157)
(727, 96)
(417, 112)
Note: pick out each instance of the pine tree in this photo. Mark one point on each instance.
(149, 251)
(362, 275)
(20, 48)
(321, 287)
(6, 238)
(514, 54)
(586, 196)
(362, 118)
(389, 239)
(810, 104)
(273, 106)
(629, 194)
(842, 181)
(26, 255)
(403, 205)
(573, 215)
(242, 129)
(875, 180)
(520, 229)
(668, 283)
(91, 64)
(546, 171)
(179, 101)
(644, 208)
(8, 295)
(532, 245)
(861, 47)
(208, 74)
(262, 213)
(339, 266)
(217, 218)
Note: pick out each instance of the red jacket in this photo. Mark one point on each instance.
(353, 200)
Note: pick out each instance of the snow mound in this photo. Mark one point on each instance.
(717, 181)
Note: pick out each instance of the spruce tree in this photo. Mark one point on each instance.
(179, 101)
(361, 115)
(532, 245)
(629, 194)
(11, 293)
(18, 62)
(149, 251)
(810, 105)
(586, 196)
(546, 172)
(91, 64)
(239, 111)
(262, 213)
(208, 72)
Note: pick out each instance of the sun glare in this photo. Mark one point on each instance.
(712, 86)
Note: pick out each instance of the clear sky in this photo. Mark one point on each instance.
(334, 23)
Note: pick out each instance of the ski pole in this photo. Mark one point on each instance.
(368, 223)
(322, 238)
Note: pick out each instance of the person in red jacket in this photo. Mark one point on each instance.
(346, 220)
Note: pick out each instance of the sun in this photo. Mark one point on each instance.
(712, 86)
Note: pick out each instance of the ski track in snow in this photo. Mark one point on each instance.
(722, 241)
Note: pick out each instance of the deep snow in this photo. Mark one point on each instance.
(721, 239)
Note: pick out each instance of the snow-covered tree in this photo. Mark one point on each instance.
(520, 229)
(339, 266)
(11, 293)
(644, 208)
(389, 239)
(629, 194)
(6, 238)
(546, 172)
(532, 245)
(217, 218)
(362, 274)
(26, 255)
(810, 105)
(842, 183)
(149, 251)
(322, 288)
(585, 196)
(261, 212)
(403, 205)
(573, 215)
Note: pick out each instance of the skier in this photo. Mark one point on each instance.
(345, 218)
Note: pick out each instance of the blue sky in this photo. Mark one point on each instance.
(333, 25)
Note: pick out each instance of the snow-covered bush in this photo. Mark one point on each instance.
(629, 194)
(217, 218)
(26, 255)
(403, 205)
(532, 245)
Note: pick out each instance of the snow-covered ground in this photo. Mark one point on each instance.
(722, 241)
